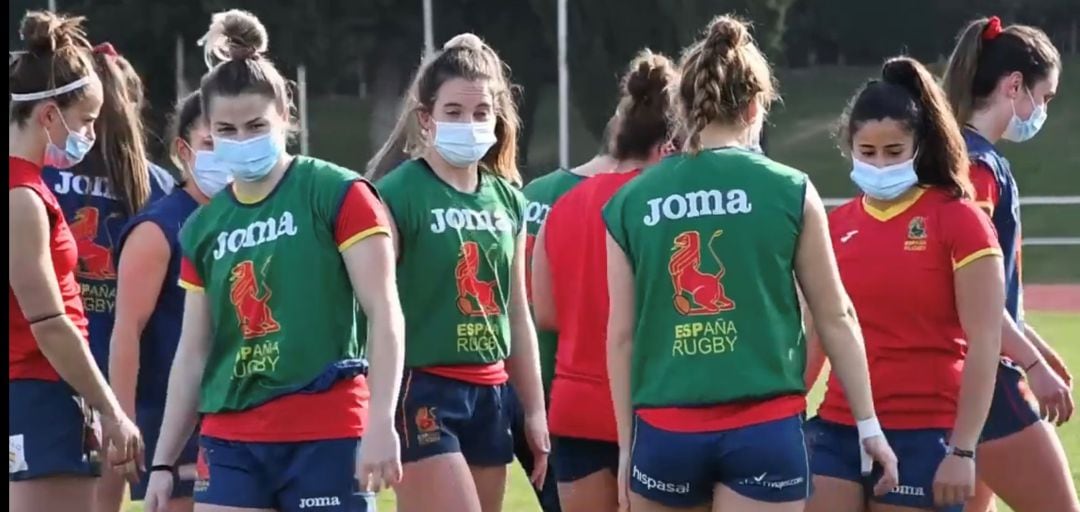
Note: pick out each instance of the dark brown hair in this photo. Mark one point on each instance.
(465, 56)
(644, 113)
(185, 116)
(120, 150)
(235, 47)
(983, 56)
(721, 75)
(907, 93)
(57, 54)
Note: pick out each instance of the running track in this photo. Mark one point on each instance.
(1052, 297)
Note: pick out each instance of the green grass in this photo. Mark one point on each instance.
(1060, 328)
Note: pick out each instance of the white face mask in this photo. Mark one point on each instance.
(464, 144)
(209, 174)
(885, 183)
(1019, 130)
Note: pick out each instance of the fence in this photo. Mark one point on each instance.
(1055, 241)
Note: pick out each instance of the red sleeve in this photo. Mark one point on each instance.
(189, 276)
(362, 214)
(969, 232)
(986, 187)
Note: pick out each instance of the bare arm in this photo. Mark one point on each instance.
(144, 262)
(815, 354)
(182, 402)
(1017, 346)
(543, 298)
(33, 281)
(620, 337)
(980, 295)
(832, 310)
(1052, 358)
(372, 271)
(525, 354)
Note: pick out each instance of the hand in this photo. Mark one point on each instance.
(954, 482)
(624, 480)
(878, 449)
(378, 466)
(1054, 396)
(158, 492)
(536, 432)
(125, 443)
(1053, 359)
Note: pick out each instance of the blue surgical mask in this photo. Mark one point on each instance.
(248, 160)
(885, 183)
(209, 174)
(1019, 130)
(464, 144)
(76, 147)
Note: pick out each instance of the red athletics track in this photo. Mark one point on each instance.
(1063, 298)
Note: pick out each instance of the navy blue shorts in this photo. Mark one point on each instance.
(834, 452)
(149, 420)
(576, 458)
(300, 476)
(1012, 409)
(437, 415)
(764, 462)
(51, 432)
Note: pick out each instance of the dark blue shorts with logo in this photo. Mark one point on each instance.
(288, 477)
(437, 415)
(1011, 409)
(51, 431)
(764, 462)
(834, 452)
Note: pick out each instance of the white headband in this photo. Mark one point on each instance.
(34, 96)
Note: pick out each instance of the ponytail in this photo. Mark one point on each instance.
(960, 73)
(907, 93)
(644, 112)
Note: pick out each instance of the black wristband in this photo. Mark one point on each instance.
(1032, 365)
(40, 319)
(167, 467)
(963, 454)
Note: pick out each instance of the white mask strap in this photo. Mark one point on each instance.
(63, 89)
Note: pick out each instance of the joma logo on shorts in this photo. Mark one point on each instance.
(651, 483)
(908, 490)
(320, 502)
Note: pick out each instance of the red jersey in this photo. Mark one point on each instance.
(898, 266)
(340, 411)
(576, 248)
(25, 360)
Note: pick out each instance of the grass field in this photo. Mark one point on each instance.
(1063, 329)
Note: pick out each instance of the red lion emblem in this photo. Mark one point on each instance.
(95, 260)
(475, 297)
(706, 290)
(255, 317)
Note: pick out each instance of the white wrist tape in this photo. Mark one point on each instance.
(867, 428)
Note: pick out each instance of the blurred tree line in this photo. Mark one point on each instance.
(370, 48)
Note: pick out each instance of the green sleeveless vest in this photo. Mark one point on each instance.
(456, 253)
(282, 307)
(711, 239)
(541, 195)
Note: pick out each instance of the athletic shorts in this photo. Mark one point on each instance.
(288, 477)
(764, 462)
(834, 452)
(577, 458)
(51, 432)
(437, 415)
(1013, 408)
(149, 420)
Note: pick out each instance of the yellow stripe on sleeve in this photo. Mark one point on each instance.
(191, 287)
(990, 251)
(362, 235)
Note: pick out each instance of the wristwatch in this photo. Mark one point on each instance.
(960, 452)
(171, 469)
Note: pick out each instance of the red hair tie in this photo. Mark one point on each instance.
(107, 49)
(993, 29)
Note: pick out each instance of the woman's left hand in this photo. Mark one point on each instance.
(536, 432)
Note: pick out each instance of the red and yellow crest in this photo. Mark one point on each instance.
(474, 297)
(696, 292)
(250, 300)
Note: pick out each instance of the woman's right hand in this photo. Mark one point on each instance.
(623, 481)
(1054, 396)
(124, 441)
(879, 450)
(158, 492)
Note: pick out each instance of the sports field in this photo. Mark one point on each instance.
(1063, 329)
